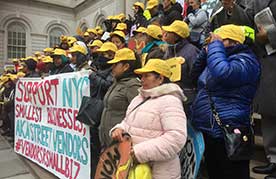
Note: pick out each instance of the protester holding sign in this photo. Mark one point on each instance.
(176, 35)
(61, 62)
(120, 94)
(156, 121)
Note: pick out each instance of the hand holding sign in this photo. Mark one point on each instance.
(175, 64)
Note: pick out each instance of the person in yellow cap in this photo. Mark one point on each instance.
(61, 62)
(153, 41)
(118, 38)
(122, 91)
(100, 81)
(94, 46)
(176, 35)
(7, 114)
(228, 74)
(153, 8)
(64, 42)
(162, 133)
(92, 33)
(79, 58)
(105, 53)
(48, 51)
(29, 67)
(44, 66)
(139, 37)
(139, 18)
(16, 64)
(70, 41)
(86, 37)
(172, 12)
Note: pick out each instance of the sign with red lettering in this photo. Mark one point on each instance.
(46, 129)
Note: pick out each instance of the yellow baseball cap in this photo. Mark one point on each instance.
(154, 31)
(63, 38)
(15, 60)
(78, 48)
(108, 46)
(155, 65)
(178, 27)
(151, 4)
(92, 30)
(123, 54)
(140, 30)
(121, 16)
(121, 26)
(139, 4)
(59, 52)
(71, 40)
(173, 1)
(37, 53)
(47, 59)
(48, 49)
(20, 74)
(95, 43)
(231, 31)
(118, 33)
(86, 34)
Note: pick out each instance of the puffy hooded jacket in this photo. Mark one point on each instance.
(158, 129)
(231, 76)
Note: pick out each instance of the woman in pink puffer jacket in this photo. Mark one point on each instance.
(157, 126)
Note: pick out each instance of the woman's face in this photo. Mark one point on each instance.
(194, 4)
(169, 37)
(74, 58)
(57, 60)
(119, 68)
(117, 41)
(150, 80)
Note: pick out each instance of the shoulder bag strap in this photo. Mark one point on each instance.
(213, 108)
(140, 104)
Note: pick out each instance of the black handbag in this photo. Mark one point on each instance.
(91, 109)
(238, 140)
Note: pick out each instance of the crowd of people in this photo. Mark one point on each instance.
(225, 64)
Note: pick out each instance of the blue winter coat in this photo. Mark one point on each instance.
(232, 76)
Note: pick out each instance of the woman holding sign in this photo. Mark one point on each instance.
(156, 121)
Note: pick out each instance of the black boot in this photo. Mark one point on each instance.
(272, 176)
(267, 169)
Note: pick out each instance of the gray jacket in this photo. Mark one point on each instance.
(116, 101)
(266, 96)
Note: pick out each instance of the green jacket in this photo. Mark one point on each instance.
(116, 101)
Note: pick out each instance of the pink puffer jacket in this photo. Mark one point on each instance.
(158, 129)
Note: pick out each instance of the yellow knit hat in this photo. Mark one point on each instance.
(231, 31)
(178, 27)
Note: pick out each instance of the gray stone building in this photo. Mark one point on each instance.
(27, 26)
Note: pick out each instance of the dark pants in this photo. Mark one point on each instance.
(218, 164)
(95, 149)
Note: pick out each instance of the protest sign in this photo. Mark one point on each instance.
(46, 129)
